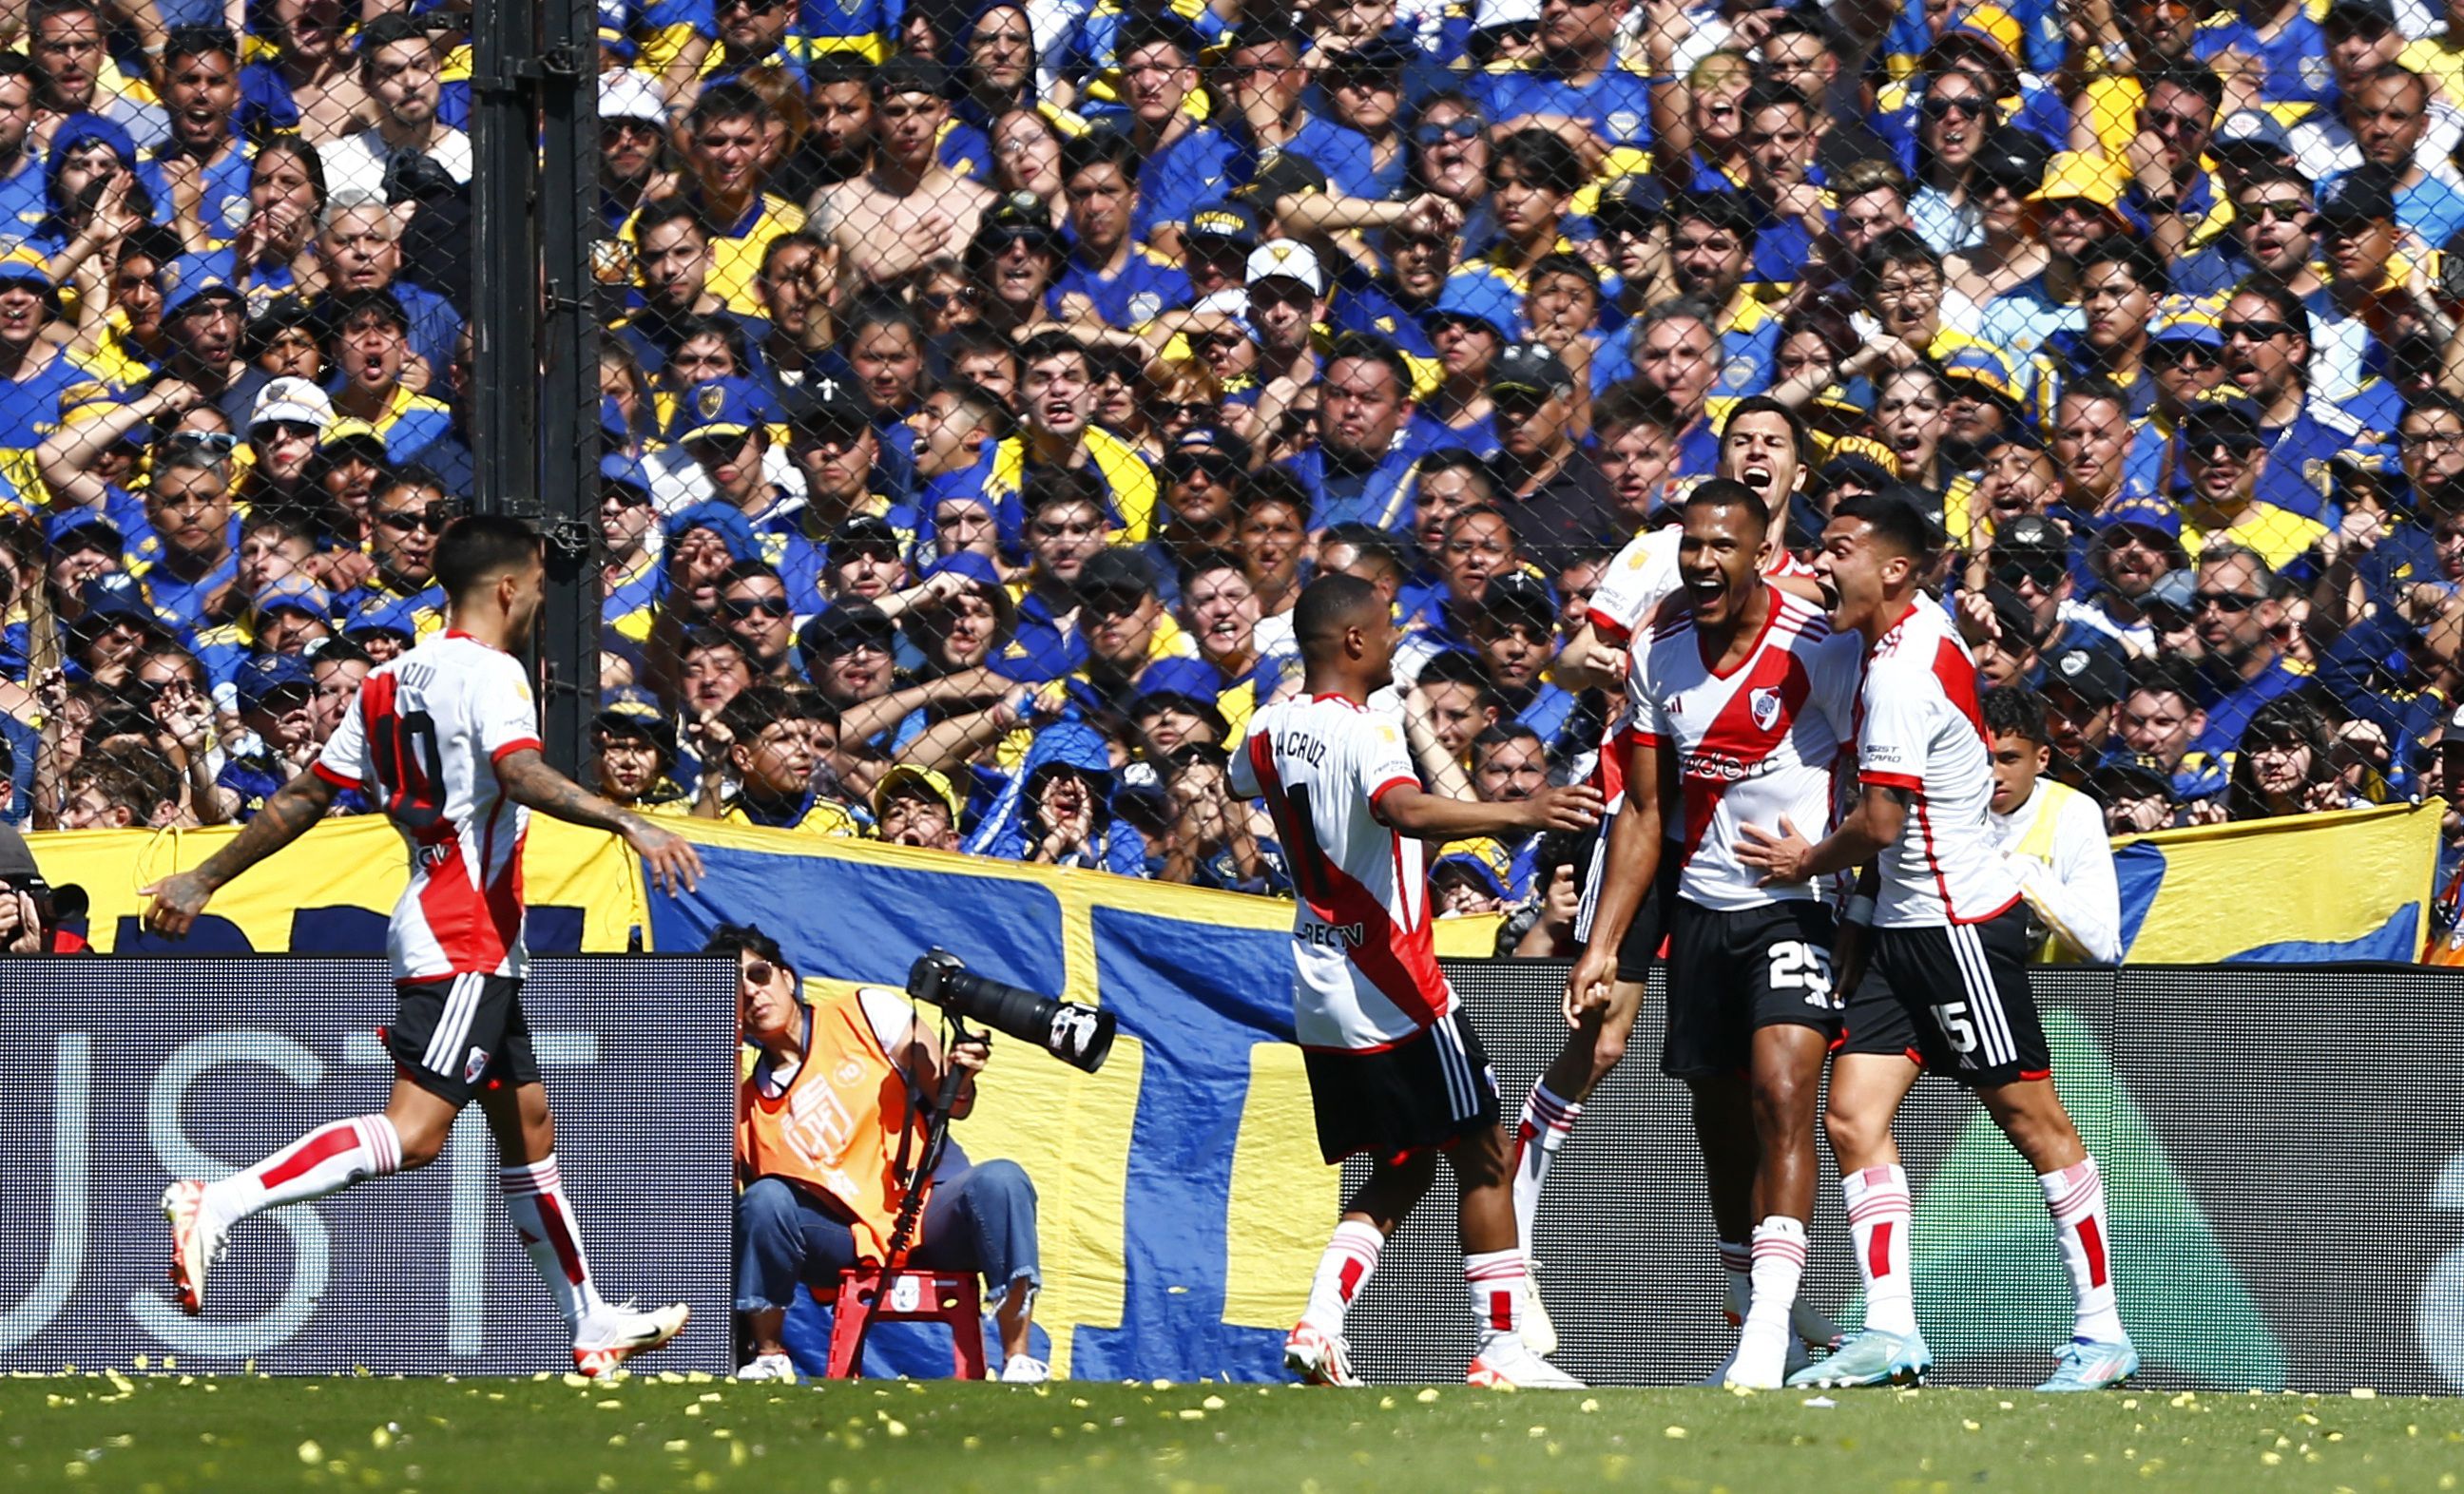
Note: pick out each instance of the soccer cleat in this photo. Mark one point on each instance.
(617, 1333)
(1026, 1370)
(768, 1367)
(1537, 1331)
(1873, 1357)
(196, 1244)
(1318, 1358)
(2086, 1365)
(1505, 1362)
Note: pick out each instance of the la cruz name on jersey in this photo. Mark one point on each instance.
(1753, 745)
(422, 740)
(1919, 730)
(1367, 960)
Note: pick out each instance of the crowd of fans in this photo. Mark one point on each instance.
(981, 383)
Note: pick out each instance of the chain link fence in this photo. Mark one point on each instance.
(979, 384)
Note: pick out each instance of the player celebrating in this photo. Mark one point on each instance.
(1939, 930)
(1763, 445)
(445, 738)
(1740, 703)
(1395, 1070)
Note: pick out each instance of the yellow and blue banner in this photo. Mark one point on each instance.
(1183, 1200)
(2355, 885)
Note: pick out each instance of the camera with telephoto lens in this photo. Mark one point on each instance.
(1079, 1036)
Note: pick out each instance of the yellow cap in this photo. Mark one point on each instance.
(2079, 173)
(901, 775)
(1994, 22)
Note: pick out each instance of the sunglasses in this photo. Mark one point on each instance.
(433, 518)
(756, 606)
(2280, 209)
(1465, 127)
(759, 972)
(753, 7)
(2166, 122)
(1937, 107)
(945, 300)
(2045, 573)
(2254, 331)
(2232, 447)
(2182, 355)
(2227, 601)
(1192, 409)
(625, 498)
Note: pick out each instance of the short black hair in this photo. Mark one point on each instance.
(1099, 146)
(1541, 158)
(747, 938)
(754, 712)
(1455, 667)
(1362, 346)
(732, 100)
(2131, 253)
(2205, 81)
(1729, 492)
(2013, 711)
(184, 42)
(660, 211)
(1764, 405)
(1893, 521)
(478, 548)
(2171, 674)
(1327, 606)
(1168, 30)
(1496, 735)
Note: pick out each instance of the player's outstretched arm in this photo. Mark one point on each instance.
(1415, 811)
(1786, 856)
(529, 782)
(285, 817)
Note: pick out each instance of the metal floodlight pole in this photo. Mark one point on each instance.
(534, 127)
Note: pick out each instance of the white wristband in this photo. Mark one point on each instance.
(1859, 911)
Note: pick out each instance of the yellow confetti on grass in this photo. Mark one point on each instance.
(310, 1453)
(1675, 1434)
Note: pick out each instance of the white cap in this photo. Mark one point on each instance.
(631, 95)
(1233, 302)
(1287, 259)
(295, 402)
(1487, 14)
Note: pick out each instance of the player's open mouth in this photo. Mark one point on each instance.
(1756, 477)
(1830, 594)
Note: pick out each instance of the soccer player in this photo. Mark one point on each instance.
(1739, 705)
(1932, 955)
(445, 738)
(1764, 445)
(1395, 1070)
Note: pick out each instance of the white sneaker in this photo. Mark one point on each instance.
(768, 1367)
(1026, 1370)
(1537, 1329)
(1318, 1358)
(621, 1330)
(1505, 1362)
(197, 1242)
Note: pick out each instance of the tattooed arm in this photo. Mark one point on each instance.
(286, 817)
(529, 782)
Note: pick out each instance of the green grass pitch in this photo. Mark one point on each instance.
(144, 1432)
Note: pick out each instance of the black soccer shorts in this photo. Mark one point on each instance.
(1432, 1089)
(1640, 945)
(1954, 999)
(462, 1034)
(1731, 973)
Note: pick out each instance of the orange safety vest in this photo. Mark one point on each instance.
(838, 1127)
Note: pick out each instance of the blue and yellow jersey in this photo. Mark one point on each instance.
(813, 815)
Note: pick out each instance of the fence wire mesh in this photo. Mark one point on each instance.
(980, 385)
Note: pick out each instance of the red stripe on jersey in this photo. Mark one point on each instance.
(1906, 781)
(1608, 628)
(1401, 964)
(514, 746)
(1382, 789)
(1734, 733)
(1957, 672)
(331, 776)
(2092, 1240)
(322, 1147)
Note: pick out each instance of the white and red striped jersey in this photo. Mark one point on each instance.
(1367, 960)
(422, 740)
(1753, 744)
(1631, 592)
(1919, 729)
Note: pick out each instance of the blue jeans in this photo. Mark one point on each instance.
(980, 1218)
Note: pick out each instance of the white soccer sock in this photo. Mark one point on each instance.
(1878, 1213)
(1498, 1280)
(1546, 1122)
(1737, 1265)
(2074, 1195)
(1350, 1258)
(551, 1237)
(1779, 1263)
(326, 1160)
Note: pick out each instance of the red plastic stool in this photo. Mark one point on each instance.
(914, 1297)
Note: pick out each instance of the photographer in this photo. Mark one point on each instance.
(819, 1197)
(27, 922)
